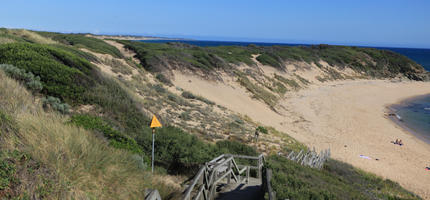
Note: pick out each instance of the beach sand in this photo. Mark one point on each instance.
(349, 117)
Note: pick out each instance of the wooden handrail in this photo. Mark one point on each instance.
(268, 185)
(212, 175)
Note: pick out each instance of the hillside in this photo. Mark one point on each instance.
(82, 104)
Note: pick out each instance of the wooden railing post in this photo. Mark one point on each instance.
(259, 168)
(229, 175)
(247, 174)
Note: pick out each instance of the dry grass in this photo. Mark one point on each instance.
(87, 168)
(31, 36)
(5, 40)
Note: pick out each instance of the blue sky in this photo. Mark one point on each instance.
(401, 23)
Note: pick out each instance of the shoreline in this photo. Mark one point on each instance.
(399, 123)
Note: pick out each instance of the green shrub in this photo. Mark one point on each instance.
(185, 116)
(262, 129)
(7, 124)
(63, 74)
(115, 138)
(159, 57)
(188, 95)
(7, 170)
(30, 81)
(82, 41)
(234, 147)
(56, 104)
(181, 152)
(336, 180)
(266, 59)
(162, 78)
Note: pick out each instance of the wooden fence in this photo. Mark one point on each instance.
(310, 158)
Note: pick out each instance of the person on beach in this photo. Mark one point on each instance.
(400, 142)
(257, 133)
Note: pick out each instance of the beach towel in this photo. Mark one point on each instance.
(365, 157)
(428, 168)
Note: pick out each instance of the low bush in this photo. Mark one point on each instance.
(234, 147)
(162, 78)
(63, 74)
(82, 41)
(157, 57)
(7, 171)
(189, 95)
(266, 59)
(115, 138)
(336, 180)
(55, 104)
(6, 123)
(32, 82)
(262, 129)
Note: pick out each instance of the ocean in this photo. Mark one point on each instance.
(421, 56)
(415, 116)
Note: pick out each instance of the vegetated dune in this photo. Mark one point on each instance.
(289, 96)
(347, 116)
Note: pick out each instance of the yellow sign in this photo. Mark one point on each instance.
(155, 122)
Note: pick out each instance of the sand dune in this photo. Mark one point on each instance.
(346, 116)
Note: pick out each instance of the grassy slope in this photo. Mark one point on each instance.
(336, 180)
(76, 163)
(118, 118)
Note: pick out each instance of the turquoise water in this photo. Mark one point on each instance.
(421, 56)
(415, 115)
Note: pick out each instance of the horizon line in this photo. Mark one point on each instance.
(232, 39)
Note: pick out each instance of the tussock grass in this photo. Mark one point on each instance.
(257, 91)
(5, 40)
(85, 165)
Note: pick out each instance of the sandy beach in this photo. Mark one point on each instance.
(349, 117)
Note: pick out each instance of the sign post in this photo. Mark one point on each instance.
(154, 123)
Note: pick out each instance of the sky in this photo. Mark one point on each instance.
(388, 23)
